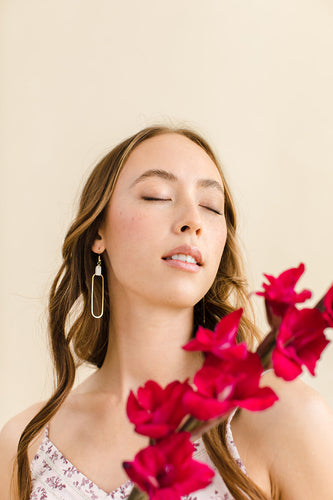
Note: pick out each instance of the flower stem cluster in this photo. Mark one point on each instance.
(297, 338)
(230, 377)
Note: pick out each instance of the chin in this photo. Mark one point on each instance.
(182, 298)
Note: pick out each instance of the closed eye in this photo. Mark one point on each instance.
(150, 198)
(212, 210)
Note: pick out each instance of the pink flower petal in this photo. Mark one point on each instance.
(201, 472)
(154, 431)
(167, 469)
(205, 408)
(226, 329)
(166, 494)
(300, 341)
(264, 398)
(280, 293)
(157, 412)
(219, 341)
(134, 410)
(285, 367)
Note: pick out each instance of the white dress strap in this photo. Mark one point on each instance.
(231, 443)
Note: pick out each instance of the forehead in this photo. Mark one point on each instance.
(172, 152)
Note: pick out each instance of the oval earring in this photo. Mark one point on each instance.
(203, 311)
(98, 273)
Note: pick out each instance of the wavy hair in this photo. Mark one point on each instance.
(76, 337)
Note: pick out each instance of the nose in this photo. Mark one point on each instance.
(188, 220)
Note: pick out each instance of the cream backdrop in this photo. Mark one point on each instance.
(255, 77)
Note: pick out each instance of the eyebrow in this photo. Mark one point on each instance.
(168, 176)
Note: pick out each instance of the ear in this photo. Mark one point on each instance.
(98, 246)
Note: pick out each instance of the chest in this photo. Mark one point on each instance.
(252, 457)
(55, 477)
(98, 453)
(93, 445)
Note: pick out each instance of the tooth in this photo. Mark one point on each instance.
(179, 256)
(191, 259)
(184, 258)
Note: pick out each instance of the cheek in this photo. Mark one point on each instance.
(219, 244)
(219, 236)
(222, 240)
(129, 230)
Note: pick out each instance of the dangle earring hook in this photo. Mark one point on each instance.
(97, 274)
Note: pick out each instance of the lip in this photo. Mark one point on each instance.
(187, 250)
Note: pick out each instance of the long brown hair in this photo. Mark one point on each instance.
(77, 337)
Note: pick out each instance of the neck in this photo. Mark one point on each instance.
(145, 343)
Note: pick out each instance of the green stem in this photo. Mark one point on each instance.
(137, 494)
(190, 425)
(266, 347)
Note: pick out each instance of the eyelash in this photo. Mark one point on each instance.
(213, 210)
(149, 198)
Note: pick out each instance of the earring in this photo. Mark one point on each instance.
(98, 272)
(203, 311)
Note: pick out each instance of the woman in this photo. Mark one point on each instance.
(158, 213)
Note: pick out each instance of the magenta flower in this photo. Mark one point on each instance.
(224, 384)
(222, 341)
(300, 341)
(167, 471)
(328, 304)
(156, 412)
(280, 293)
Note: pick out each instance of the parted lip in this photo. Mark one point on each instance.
(187, 250)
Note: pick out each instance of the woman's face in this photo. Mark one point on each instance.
(165, 230)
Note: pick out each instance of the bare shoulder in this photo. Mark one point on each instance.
(292, 441)
(9, 438)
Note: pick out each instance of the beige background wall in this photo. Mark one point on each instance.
(255, 77)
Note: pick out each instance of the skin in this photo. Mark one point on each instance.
(152, 307)
(152, 303)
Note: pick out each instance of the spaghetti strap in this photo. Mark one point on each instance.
(231, 443)
(46, 431)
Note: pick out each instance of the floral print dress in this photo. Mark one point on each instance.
(54, 477)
